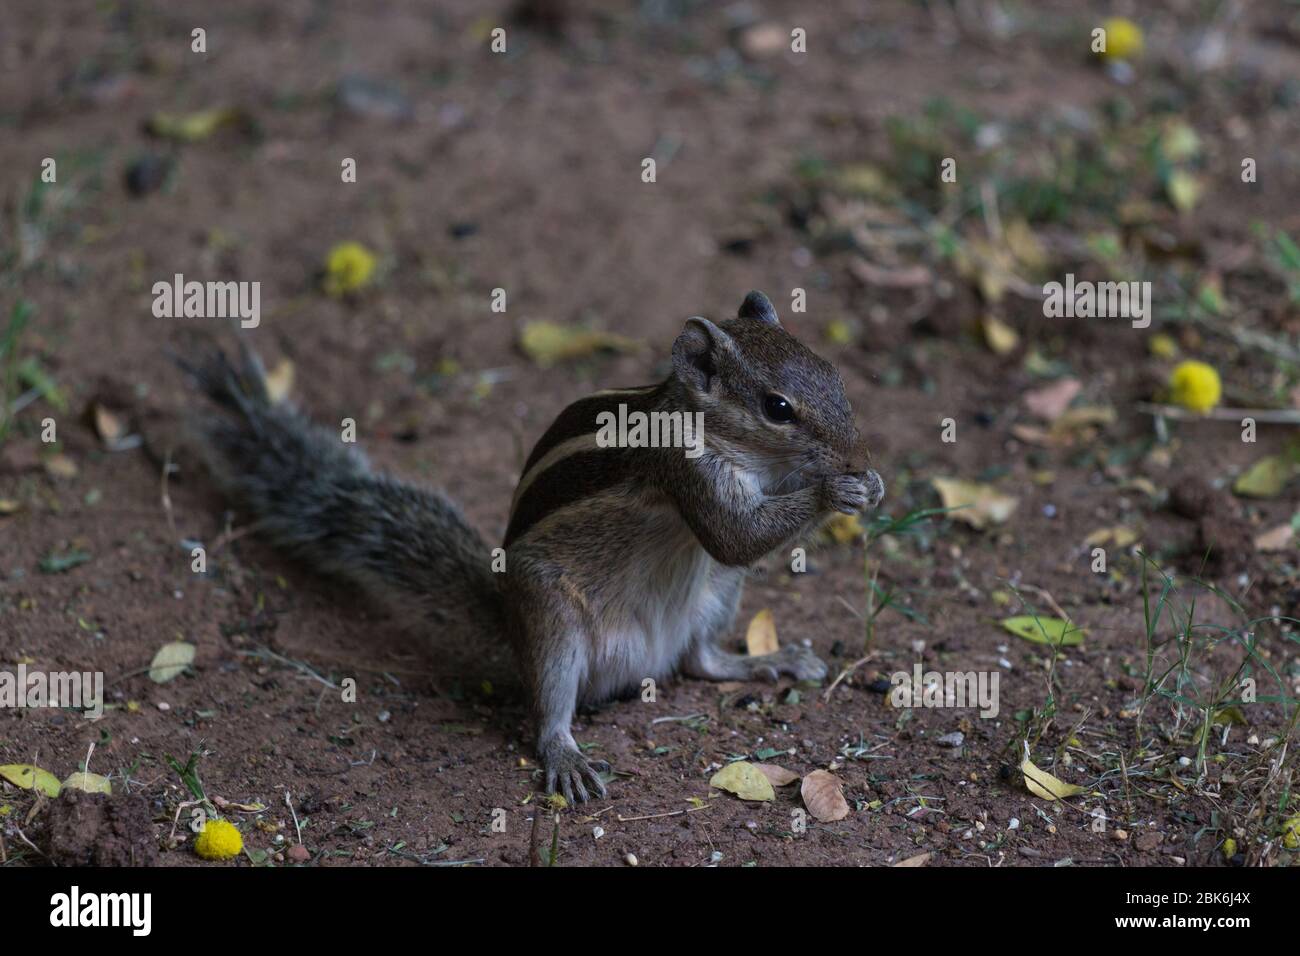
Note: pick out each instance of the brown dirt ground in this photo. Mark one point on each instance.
(540, 153)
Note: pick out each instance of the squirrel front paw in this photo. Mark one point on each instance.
(568, 771)
(844, 493)
(852, 493)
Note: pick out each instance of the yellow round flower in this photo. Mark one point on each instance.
(218, 840)
(1123, 39)
(1162, 346)
(348, 267)
(1195, 385)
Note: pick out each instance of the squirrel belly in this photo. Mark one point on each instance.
(624, 581)
(591, 527)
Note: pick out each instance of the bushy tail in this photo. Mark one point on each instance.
(317, 499)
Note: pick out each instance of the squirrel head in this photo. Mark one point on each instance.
(766, 397)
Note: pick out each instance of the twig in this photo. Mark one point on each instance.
(664, 720)
(845, 673)
(1270, 416)
(166, 496)
(289, 804)
(231, 535)
(1051, 601)
(305, 669)
(176, 819)
(658, 816)
(534, 841)
(989, 205)
(23, 836)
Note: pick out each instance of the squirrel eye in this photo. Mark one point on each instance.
(778, 409)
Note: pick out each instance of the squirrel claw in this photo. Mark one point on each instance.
(569, 773)
(799, 662)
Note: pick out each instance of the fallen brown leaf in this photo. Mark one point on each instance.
(779, 776)
(61, 466)
(109, 426)
(1050, 402)
(823, 796)
(1281, 538)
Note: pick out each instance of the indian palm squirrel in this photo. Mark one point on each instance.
(621, 563)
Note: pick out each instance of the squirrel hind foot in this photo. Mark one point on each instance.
(570, 773)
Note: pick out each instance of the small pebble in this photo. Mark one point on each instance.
(1149, 840)
(764, 39)
(363, 96)
(597, 832)
(146, 174)
(630, 859)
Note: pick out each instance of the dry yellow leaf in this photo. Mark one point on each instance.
(760, 638)
(1042, 784)
(744, 780)
(1184, 190)
(89, 782)
(170, 661)
(1085, 416)
(61, 466)
(843, 529)
(1119, 536)
(279, 381)
(1023, 243)
(31, 778)
(1001, 338)
(547, 343)
(978, 505)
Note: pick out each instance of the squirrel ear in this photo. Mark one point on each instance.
(758, 306)
(696, 352)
